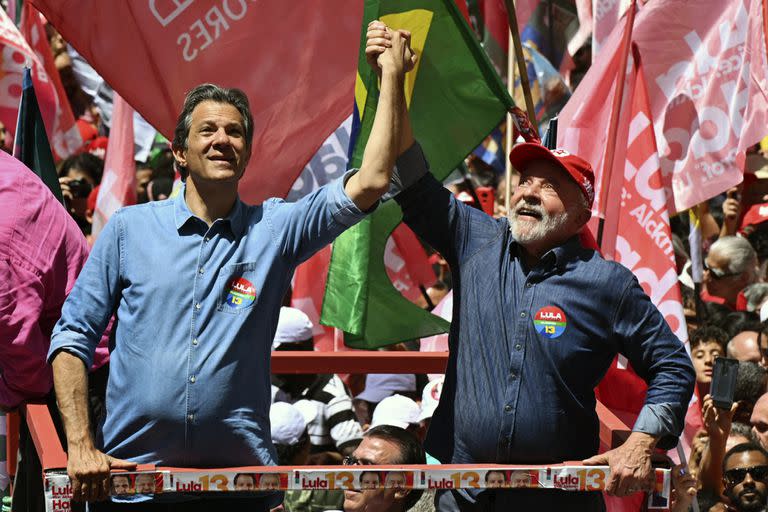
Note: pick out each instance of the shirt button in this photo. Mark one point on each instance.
(198, 306)
(518, 346)
(207, 239)
(200, 270)
(513, 376)
(522, 315)
(507, 408)
(192, 379)
(194, 341)
(190, 417)
(528, 285)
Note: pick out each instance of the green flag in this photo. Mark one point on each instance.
(455, 98)
(31, 144)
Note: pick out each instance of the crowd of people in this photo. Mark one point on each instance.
(170, 391)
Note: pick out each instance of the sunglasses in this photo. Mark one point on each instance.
(737, 475)
(717, 273)
(351, 460)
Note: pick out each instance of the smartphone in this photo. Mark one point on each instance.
(724, 382)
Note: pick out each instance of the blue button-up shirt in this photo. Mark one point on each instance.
(197, 308)
(528, 346)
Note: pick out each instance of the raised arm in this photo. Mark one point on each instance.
(367, 186)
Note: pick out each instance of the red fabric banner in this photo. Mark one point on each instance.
(118, 185)
(707, 87)
(296, 61)
(59, 121)
(15, 54)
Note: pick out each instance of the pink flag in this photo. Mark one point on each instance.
(60, 122)
(643, 245)
(15, 54)
(296, 61)
(118, 185)
(708, 91)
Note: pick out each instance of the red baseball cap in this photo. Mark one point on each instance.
(755, 216)
(576, 167)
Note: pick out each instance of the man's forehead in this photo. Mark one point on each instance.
(746, 459)
(376, 450)
(209, 110)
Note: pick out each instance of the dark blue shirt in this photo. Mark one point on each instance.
(528, 346)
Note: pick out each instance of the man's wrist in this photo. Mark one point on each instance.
(391, 71)
(643, 439)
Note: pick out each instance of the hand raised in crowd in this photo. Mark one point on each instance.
(684, 488)
(731, 212)
(381, 38)
(717, 422)
(88, 470)
(630, 465)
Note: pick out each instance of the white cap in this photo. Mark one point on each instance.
(396, 410)
(287, 423)
(430, 397)
(292, 327)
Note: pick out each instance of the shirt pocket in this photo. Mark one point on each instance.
(236, 285)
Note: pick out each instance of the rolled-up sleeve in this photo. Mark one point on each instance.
(660, 358)
(302, 228)
(88, 308)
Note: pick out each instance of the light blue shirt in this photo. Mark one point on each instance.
(197, 308)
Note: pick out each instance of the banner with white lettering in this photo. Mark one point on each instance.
(296, 61)
(708, 92)
(58, 491)
(643, 244)
(15, 54)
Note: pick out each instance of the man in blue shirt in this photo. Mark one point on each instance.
(196, 283)
(537, 321)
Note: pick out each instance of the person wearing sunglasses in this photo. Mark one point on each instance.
(745, 477)
(730, 266)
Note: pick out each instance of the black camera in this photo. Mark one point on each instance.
(80, 189)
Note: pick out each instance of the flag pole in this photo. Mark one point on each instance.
(521, 67)
(510, 135)
(613, 127)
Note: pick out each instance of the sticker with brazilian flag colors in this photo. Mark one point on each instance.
(240, 294)
(550, 321)
(455, 99)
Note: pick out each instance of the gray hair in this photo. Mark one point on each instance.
(755, 294)
(741, 256)
(211, 92)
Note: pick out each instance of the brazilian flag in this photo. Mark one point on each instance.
(455, 98)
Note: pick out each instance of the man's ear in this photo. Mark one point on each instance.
(180, 155)
(583, 216)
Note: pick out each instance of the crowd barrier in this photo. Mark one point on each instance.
(566, 476)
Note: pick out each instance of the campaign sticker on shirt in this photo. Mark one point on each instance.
(241, 293)
(550, 321)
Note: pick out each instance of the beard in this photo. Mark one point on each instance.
(527, 232)
(756, 505)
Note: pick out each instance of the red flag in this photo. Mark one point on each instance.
(15, 54)
(308, 291)
(644, 245)
(118, 185)
(296, 61)
(708, 91)
(414, 256)
(60, 122)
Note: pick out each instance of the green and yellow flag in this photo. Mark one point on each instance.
(455, 98)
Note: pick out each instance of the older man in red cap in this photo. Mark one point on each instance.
(537, 321)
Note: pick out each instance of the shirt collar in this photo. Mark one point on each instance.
(182, 214)
(557, 256)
